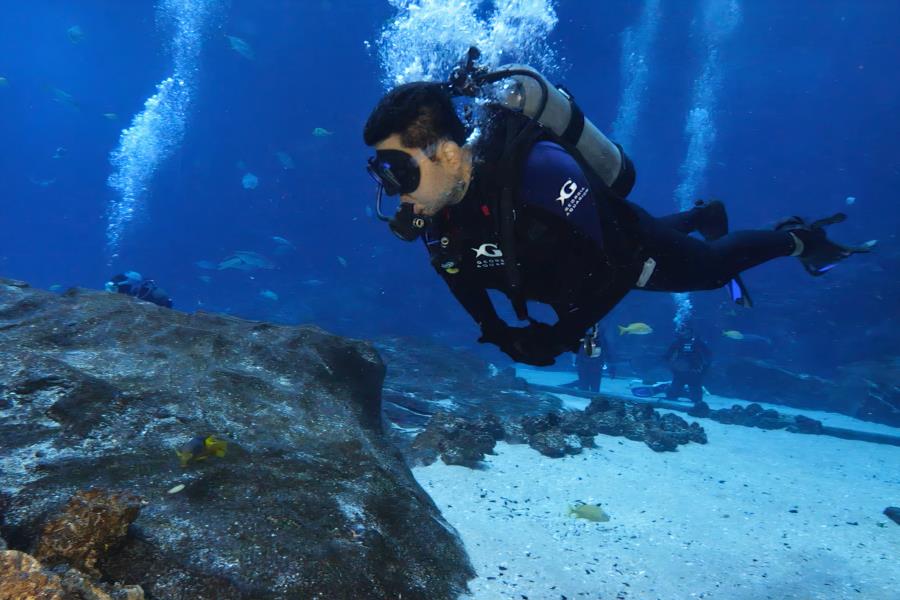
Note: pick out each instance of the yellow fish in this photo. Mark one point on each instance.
(635, 329)
(201, 448)
(734, 334)
(591, 512)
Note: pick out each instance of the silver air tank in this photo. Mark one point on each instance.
(523, 93)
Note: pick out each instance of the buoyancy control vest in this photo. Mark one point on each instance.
(524, 109)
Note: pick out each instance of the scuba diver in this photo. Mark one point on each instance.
(689, 358)
(133, 284)
(532, 202)
(590, 359)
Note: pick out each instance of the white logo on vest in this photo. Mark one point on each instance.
(566, 193)
(488, 255)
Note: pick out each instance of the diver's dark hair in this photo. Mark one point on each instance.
(421, 112)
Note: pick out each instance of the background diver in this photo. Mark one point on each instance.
(689, 358)
(591, 357)
(133, 284)
(535, 207)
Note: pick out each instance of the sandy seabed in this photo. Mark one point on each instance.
(752, 515)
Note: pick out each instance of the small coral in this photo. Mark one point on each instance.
(93, 522)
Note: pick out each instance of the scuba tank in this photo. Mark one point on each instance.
(526, 91)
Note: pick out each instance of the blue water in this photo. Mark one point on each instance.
(803, 108)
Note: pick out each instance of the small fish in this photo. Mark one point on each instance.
(42, 182)
(287, 163)
(60, 152)
(591, 512)
(206, 264)
(746, 337)
(111, 116)
(246, 260)
(55, 288)
(250, 181)
(4, 82)
(851, 200)
(269, 295)
(64, 98)
(635, 329)
(321, 132)
(176, 489)
(284, 246)
(342, 261)
(201, 448)
(75, 34)
(241, 47)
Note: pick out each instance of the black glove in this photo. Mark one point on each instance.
(538, 344)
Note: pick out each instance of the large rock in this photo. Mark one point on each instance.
(762, 381)
(868, 390)
(99, 390)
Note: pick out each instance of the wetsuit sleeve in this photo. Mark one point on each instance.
(475, 300)
(604, 344)
(706, 353)
(671, 351)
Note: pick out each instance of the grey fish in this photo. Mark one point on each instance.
(246, 260)
(241, 47)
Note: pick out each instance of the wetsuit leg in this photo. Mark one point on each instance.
(581, 364)
(685, 222)
(685, 263)
(676, 388)
(695, 387)
(594, 372)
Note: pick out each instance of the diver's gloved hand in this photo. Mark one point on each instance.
(537, 344)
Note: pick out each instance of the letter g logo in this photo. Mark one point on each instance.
(567, 191)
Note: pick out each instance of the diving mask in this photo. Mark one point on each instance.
(397, 173)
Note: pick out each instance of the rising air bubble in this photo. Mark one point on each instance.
(427, 38)
(156, 131)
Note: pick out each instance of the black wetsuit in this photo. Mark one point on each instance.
(577, 251)
(589, 361)
(689, 358)
(145, 289)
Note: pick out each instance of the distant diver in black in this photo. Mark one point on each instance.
(534, 206)
(689, 358)
(590, 358)
(133, 284)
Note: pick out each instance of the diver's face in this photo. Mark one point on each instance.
(441, 176)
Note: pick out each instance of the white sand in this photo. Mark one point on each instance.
(709, 521)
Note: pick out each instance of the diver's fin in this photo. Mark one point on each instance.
(648, 391)
(820, 254)
(712, 219)
(832, 220)
(739, 293)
